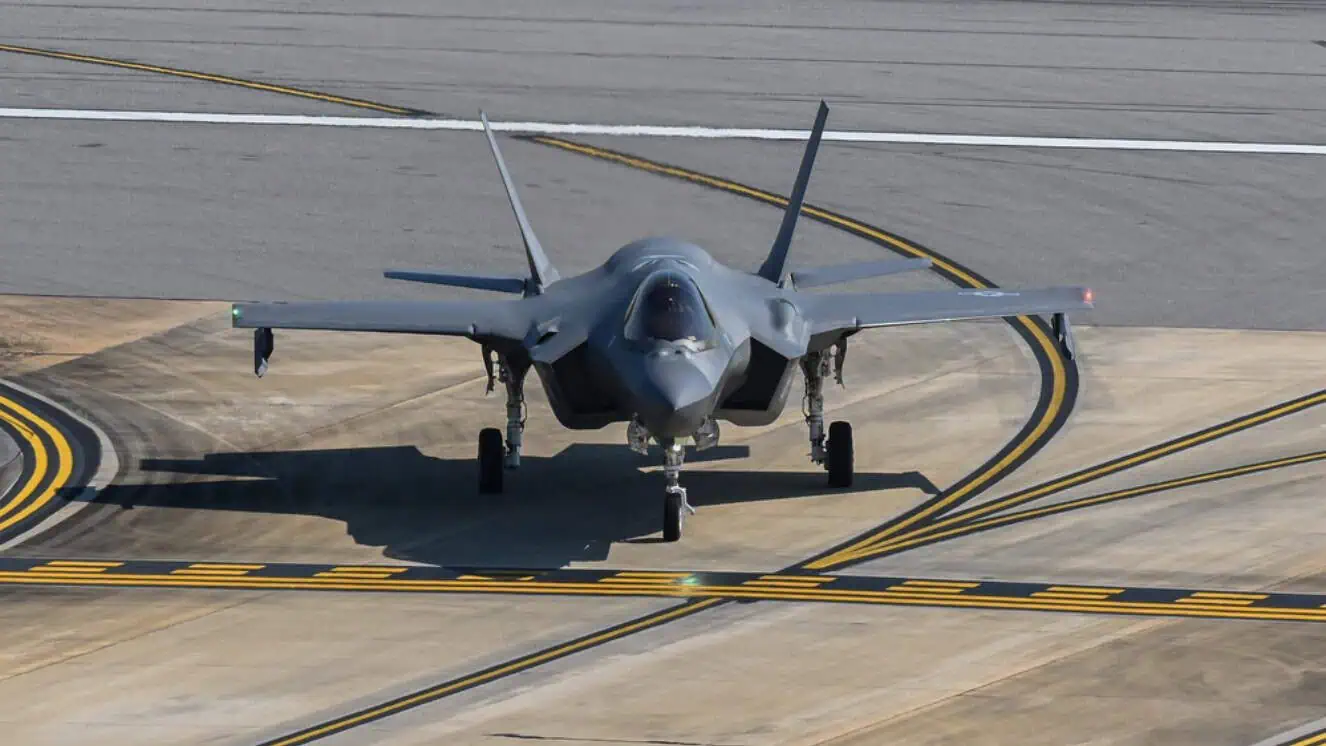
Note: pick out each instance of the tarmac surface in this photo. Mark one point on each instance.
(357, 451)
(11, 461)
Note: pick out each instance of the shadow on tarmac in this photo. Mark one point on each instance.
(568, 508)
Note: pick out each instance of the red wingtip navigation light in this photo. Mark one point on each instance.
(1088, 296)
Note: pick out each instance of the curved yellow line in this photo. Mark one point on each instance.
(39, 459)
(24, 503)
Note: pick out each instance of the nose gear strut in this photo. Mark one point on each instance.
(675, 505)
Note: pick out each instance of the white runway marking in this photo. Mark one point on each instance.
(640, 130)
(1289, 737)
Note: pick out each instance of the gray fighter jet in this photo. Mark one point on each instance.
(663, 337)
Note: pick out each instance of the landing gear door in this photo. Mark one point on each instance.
(1063, 334)
(263, 344)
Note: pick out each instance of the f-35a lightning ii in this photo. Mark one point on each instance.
(663, 337)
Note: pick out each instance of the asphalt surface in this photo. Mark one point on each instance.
(355, 451)
(10, 463)
(1167, 239)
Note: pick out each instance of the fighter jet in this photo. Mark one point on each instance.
(663, 337)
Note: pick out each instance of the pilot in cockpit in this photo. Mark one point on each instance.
(672, 310)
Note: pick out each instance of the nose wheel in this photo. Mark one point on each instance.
(675, 506)
(492, 453)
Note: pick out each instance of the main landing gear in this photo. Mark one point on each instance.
(495, 456)
(835, 452)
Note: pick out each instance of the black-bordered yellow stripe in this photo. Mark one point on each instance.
(936, 534)
(48, 467)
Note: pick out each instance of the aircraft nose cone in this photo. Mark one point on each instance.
(676, 399)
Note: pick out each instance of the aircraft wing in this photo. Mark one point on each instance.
(473, 319)
(852, 311)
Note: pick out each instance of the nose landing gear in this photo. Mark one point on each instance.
(675, 506)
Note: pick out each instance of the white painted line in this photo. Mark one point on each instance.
(1284, 739)
(640, 130)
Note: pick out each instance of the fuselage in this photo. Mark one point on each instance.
(663, 335)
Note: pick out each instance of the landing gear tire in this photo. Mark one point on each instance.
(840, 454)
(491, 455)
(674, 512)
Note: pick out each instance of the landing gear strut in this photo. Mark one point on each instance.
(494, 455)
(675, 506)
(834, 453)
(515, 412)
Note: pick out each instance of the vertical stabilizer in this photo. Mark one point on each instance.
(772, 269)
(540, 269)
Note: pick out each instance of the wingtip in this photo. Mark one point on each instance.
(1088, 296)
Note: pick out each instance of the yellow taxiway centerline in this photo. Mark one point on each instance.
(27, 500)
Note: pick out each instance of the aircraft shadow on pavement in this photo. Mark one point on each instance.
(570, 507)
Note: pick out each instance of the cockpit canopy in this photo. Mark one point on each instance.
(668, 307)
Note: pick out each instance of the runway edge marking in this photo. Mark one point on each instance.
(420, 121)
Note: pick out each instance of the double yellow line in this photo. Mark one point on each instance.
(48, 448)
(949, 594)
(973, 519)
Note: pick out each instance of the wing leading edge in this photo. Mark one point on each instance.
(852, 311)
(473, 319)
